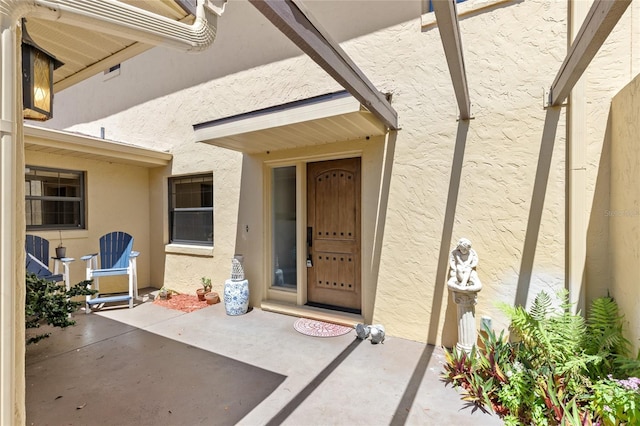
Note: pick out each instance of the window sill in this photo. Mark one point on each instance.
(188, 250)
(464, 8)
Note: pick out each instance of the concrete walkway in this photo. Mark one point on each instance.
(328, 381)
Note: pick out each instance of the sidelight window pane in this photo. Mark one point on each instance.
(283, 201)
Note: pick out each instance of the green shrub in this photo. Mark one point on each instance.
(50, 303)
(561, 370)
(617, 401)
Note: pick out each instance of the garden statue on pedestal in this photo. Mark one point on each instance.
(464, 284)
(463, 261)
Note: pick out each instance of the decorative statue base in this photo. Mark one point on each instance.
(465, 285)
(466, 300)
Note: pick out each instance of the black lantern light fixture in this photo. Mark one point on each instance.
(37, 79)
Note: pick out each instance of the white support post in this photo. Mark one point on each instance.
(12, 400)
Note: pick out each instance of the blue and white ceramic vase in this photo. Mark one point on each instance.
(236, 290)
(236, 297)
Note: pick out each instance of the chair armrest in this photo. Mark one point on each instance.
(65, 259)
(88, 256)
(134, 254)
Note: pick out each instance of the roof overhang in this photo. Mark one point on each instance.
(91, 37)
(91, 148)
(319, 120)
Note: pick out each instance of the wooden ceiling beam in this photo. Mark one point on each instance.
(296, 23)
(447, 18)
(601, 19)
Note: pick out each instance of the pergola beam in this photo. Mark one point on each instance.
(296, 24)
(447, 18)
(601, 19)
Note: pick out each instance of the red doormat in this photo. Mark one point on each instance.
(319, 329)
(182, 302)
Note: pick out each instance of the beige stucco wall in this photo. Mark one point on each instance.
(181, 268)
(624, 212)
(615, 65)
(117, 200)
(442, 179)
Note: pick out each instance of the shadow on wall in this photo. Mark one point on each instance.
(537, 204)
(597, 274)
(381, 215)
(450, 330)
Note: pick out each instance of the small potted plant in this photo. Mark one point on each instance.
(212, 298)
(61, 251)
(206, 288)
(164, 293)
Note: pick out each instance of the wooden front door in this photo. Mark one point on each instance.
(333, 234)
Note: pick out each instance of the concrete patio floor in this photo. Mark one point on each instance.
(326, 381)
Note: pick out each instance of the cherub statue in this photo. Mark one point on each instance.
(463, 261)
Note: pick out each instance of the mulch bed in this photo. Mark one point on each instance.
(182, 302)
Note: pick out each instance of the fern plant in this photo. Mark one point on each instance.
(550, 336)
(559, 371)
(605, 328)
(605, 340)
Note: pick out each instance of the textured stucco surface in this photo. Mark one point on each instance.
(433, 182)
(624, 212)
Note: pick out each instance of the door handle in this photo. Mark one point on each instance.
(309, 244)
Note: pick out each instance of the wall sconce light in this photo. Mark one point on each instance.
(37, 79)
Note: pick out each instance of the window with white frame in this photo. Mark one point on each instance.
(191, 209)
(54, 198)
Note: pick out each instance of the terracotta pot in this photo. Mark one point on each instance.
(200, 293)
(212, 298)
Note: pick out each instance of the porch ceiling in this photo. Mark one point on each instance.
(87, 147)
(323, 119)
(86, 53)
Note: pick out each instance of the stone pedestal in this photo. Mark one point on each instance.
(466, 299)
